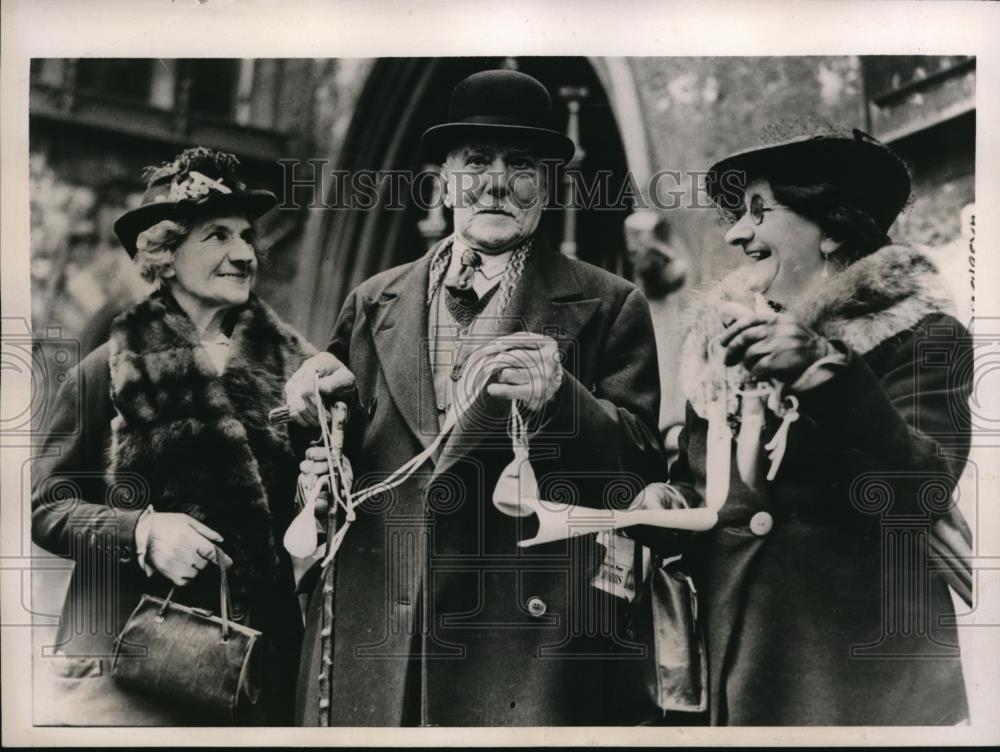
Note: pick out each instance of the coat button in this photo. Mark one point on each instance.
(536, 606)
(761, 523)
(238, 612)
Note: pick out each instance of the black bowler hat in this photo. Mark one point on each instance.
(866, 172)
(199, 182)
(501, 103)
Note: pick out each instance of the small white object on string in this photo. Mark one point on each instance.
(556, 521)
(779, 442)
(516, 495)
(517, 485)
(301, 537)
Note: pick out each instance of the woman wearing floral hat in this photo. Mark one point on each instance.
(175, 470)
(827, 422)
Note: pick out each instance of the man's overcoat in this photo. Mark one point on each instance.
(440, 619)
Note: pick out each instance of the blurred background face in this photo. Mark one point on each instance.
(497, 190)
(784, 248)
(215, 265)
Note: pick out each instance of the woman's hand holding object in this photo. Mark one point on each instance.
(773, 345)
(179, 546)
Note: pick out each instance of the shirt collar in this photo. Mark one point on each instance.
(493, 265)
(443, 258)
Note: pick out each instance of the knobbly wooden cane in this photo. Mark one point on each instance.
(332, 438)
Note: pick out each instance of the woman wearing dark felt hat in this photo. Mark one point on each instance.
(829, 445)
(175, 459)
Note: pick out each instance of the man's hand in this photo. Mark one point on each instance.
(773, 346)
(526, 367)
(334, 379)
(313, 469)
(179, 546)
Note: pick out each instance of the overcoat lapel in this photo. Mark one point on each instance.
(546, 300)
(397, 319)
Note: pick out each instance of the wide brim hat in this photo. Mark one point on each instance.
(200, 182)
(500, 104)
(867, 173)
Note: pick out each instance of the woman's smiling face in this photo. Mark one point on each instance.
(216, 264)
(787, 249)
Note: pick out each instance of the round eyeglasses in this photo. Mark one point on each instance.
(757, 211)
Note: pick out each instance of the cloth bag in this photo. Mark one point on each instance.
(189, 656)
(664, 618)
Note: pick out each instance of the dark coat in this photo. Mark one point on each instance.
(824, 610)
(440, 618)
(160, 427)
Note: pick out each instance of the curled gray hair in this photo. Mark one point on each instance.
(155, 248)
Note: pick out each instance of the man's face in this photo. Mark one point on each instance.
(497, 190)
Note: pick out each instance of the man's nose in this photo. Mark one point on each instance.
(499, 176)
(740, 233)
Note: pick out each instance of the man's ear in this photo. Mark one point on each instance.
(829, 245)
(446, 197)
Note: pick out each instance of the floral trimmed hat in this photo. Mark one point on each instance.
(199, 181)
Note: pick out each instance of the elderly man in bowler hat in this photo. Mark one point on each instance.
(440, 618)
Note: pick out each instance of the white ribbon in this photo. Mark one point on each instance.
(719, 440)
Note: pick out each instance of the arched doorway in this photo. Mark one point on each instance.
(400, 99)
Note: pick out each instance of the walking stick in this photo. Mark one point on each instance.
(333, 442)
(332, 436)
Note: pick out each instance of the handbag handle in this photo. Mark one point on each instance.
(225, 603)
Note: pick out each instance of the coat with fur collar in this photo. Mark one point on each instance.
(146, 419)
(201, 440)
(800, 580)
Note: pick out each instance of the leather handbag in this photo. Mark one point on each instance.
(189, 656)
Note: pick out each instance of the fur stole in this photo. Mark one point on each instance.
(201, 440)
(876, 297)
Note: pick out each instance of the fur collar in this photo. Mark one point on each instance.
(200, 442)
(876, 297)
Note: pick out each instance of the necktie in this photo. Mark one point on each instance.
(460, 284)
(460, 297)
